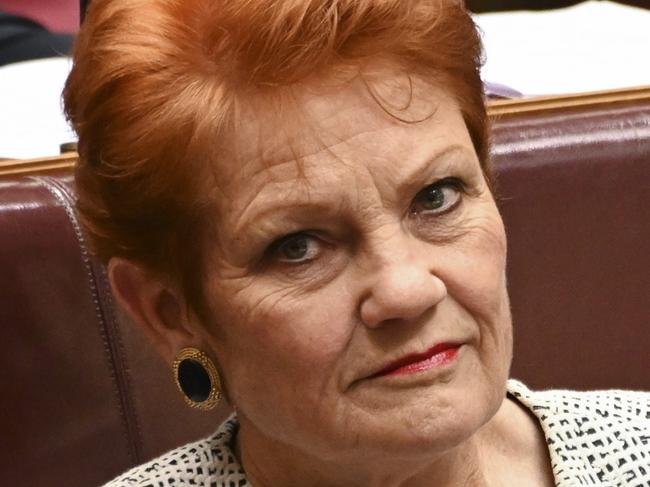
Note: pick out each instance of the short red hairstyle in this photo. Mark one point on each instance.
(154, 83)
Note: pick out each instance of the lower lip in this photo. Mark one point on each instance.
(439, 359)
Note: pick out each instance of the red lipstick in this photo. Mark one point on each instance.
(441, 354)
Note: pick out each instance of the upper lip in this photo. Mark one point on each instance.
(414, 358)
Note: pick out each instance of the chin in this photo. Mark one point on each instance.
(430, 420)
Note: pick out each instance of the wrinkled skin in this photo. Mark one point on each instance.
(382, 275)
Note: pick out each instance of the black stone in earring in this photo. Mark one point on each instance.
(197, 378)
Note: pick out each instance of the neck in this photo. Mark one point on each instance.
(508, 449)
(270, 463)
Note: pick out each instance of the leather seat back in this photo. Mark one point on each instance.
(575, 198)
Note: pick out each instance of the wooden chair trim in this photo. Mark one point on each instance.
(523, 106)
(42, 165)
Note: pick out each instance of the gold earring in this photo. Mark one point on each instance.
(197, 378)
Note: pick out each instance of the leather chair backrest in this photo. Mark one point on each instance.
(575, 198)
(84, 397)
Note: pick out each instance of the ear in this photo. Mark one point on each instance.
(154, 305)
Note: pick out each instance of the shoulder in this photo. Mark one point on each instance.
(599, 435)
(612, 406)
(207, 462)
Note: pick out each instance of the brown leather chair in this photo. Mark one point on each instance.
(502, 5)
(575, 196)
(84, 397)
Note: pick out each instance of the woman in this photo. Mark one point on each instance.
(294, 201)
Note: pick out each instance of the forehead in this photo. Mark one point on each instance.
(319, 132)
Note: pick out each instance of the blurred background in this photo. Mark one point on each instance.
(56, 15)
(533, 48)
(32, 29)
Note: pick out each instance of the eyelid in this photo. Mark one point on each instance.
(278, 242)
(451, 181)
(454, 181)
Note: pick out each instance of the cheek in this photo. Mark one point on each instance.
(476, 280)
(282, 359)
(278, 343)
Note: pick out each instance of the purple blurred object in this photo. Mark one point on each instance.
(496, 91)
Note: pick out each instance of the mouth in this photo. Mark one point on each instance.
(437, 356)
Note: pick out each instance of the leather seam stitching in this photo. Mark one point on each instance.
(119, 380)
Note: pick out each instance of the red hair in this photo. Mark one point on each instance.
(154, 82)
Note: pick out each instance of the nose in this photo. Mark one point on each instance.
(402, 287)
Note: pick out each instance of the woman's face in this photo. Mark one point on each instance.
(350, 244)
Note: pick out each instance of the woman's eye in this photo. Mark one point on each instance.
(438, 197)
(296, 248)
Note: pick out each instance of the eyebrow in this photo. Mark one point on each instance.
(430, 166)
(282, 211)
